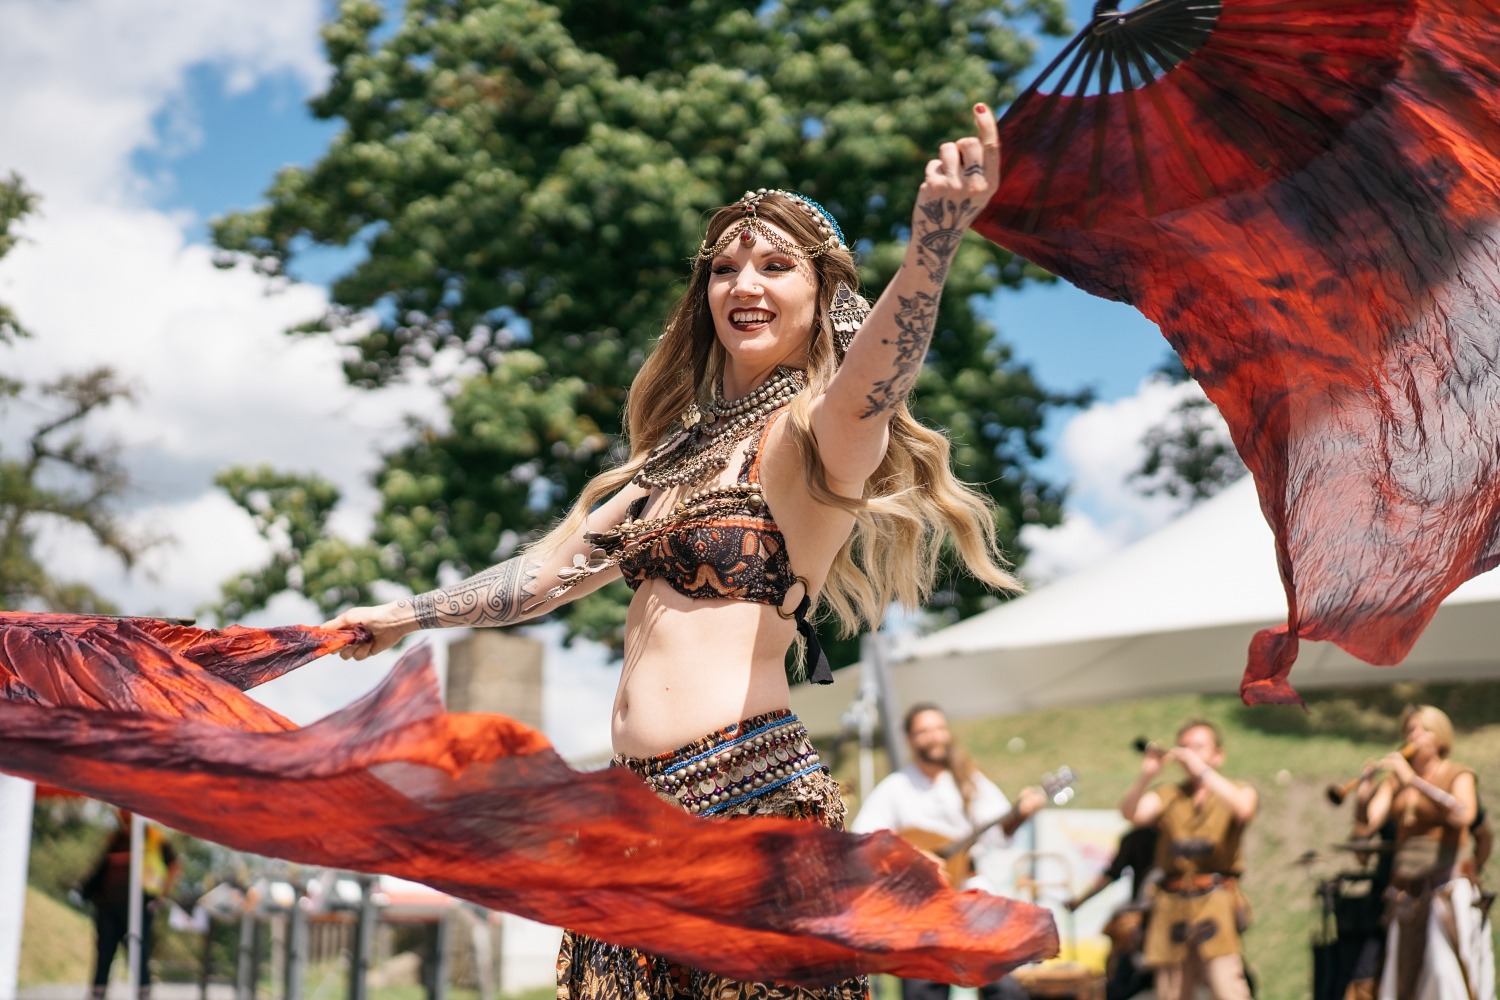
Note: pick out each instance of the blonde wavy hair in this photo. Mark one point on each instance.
(912, 505)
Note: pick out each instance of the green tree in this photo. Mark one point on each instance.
(1189, 455)
(58, 476)
(523, 180)
(16, 202)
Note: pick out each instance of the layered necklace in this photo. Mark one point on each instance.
(709, 434)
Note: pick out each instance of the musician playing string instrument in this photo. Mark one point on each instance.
(1197, 913)
(943, 794)
(1438, 939)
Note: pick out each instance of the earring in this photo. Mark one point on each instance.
(847, 314)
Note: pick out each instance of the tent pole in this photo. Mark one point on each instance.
(296, 943)
(865, 713)
(890, 708)
(16, 800)
(244, 969)
(136, 921)
(364, 939)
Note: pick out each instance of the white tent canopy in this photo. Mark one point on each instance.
(1173, 613)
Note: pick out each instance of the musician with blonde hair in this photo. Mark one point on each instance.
(1438, 939)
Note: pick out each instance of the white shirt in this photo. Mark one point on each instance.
(909, 798)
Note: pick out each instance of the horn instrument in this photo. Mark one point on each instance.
(1337, 793)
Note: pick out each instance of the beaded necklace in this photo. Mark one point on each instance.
(709, 435)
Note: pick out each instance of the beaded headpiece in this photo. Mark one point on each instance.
(748, 229)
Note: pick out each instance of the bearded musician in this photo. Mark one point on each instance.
(942, 793)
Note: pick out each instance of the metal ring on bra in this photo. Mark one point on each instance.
(806, 592)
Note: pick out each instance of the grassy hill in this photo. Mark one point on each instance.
(1289, 754)
(57, 942)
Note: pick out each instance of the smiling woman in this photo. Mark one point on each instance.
(774, 388)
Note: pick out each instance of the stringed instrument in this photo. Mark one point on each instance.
(954, 854)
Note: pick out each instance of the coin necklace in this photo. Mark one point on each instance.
(709, 435)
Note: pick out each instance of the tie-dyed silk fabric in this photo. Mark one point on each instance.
(1309, 207)
(152, 717)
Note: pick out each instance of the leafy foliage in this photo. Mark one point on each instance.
(292, 513)
(1189, 456)
(523, 181)
(61, 478)
(16, 202)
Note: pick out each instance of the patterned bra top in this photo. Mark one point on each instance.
(719, 542)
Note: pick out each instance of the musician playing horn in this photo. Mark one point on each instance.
(1438, 942)
(942, 792)
(1197, 914)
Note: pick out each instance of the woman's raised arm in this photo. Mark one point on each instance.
(882, 362)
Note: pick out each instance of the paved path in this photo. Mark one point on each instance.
(117, 991)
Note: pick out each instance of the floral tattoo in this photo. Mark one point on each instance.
(914, 323)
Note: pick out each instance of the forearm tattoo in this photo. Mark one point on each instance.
(914, 321)
(940, 229)
(494, 597)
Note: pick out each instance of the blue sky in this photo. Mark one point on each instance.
(138, 123)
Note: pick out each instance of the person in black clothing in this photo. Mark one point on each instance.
(108, 889)
(1136, 852)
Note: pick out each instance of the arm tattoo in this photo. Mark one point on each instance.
(425, 606)
(494, 597)
(914, 322)
(940, 229)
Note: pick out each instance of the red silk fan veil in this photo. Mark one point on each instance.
(1305, 196)
(152, 716)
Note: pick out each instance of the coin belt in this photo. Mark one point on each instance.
(751, 764)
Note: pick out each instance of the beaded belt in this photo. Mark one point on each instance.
(751, 760)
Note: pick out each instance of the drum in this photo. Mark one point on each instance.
(1349, 948)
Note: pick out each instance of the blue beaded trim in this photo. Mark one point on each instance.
(763, 789)
(837, 229)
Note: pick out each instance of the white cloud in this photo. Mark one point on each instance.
(106, 279)
(217, 380)
(85, 80)
(1055, 552)
(1105, 511)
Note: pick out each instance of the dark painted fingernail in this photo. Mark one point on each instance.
(980, 108)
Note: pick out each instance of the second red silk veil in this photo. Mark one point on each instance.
(1305, 196)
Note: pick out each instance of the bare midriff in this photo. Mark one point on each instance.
(694, 665)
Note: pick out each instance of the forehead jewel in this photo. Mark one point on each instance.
(750, 228)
